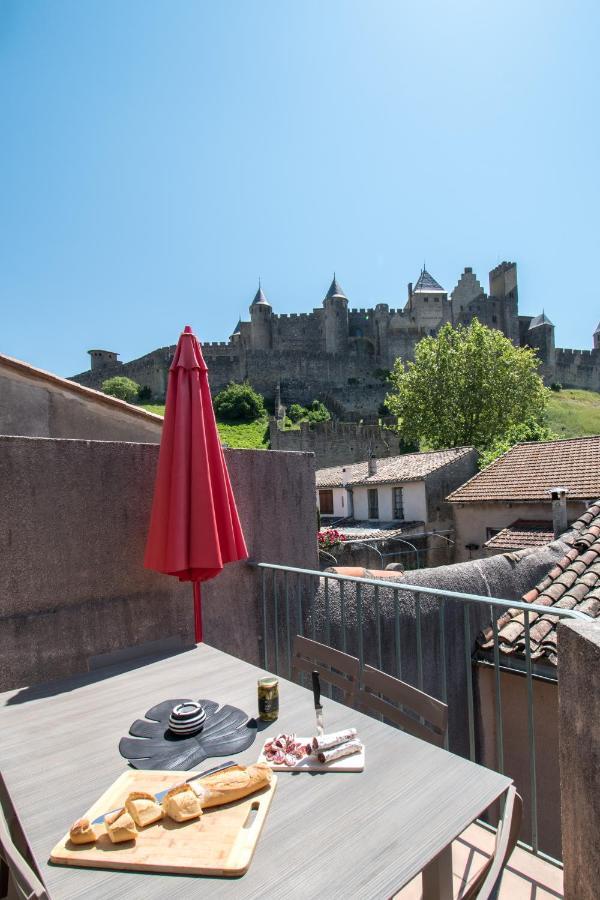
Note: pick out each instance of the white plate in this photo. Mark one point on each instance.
(354, 763)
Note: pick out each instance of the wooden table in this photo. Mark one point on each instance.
(334, 835)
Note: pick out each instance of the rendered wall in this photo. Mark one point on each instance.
(579, 748)
(73, 524)
(38, 407)
(471, 521)
(513, 693)
(413, 497)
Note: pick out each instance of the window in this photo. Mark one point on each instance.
(326, 503)
(491, 532)
(373, 503)
(398, 503)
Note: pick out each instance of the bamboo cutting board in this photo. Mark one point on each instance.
(220, 843)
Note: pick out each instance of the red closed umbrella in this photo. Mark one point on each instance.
(194, 527)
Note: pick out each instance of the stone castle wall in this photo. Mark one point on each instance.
(338, 354)
(337, 443)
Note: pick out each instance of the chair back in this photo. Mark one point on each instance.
(485, 883)
(336, 668)
(15, 869)
(412, 710)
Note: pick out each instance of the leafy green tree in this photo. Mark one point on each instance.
(530, 430)
(318, 412)
(121, 387)
(296, 412)
(467, 386)
(239, 403)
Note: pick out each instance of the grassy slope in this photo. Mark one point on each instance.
(571, 413)
(243, 435)
(574, 413)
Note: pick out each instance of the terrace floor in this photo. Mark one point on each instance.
(527, 877)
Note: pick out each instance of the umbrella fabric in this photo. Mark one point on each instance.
(194, 528)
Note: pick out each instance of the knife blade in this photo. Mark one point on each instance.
(316, 686)
(158, 797)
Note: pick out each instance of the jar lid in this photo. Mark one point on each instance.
(269, 681)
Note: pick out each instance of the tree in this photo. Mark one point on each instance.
(296, 412)
(467, 386)
(121, 387)
(318, 412)
(239, 403)
(531, 430)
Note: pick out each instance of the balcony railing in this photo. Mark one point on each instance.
(425, 636)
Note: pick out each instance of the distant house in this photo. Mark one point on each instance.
(508, 506)
(407, 491)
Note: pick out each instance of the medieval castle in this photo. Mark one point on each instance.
(342, 356)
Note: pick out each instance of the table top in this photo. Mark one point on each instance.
(338, 835)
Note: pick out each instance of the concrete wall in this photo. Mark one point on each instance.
(513, 693)
(471, 521)
(38, 404)
(73, 524)
(579, 747)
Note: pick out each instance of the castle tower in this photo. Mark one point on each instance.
(261, 315)
(103, 359)
(428, 303)
(597, 338)
(467, 291)
(503, 286)
(336, 319)
(540, 335)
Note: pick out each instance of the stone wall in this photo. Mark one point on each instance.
(73, 524)
(337, 443)
(39, 404)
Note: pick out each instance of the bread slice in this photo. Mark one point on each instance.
(231, 784)
(82, 832)
(181, 804)
(120, 826)
(143, 808)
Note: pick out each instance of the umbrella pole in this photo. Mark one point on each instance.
(197, 613)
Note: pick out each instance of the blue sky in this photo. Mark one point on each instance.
(156, 157)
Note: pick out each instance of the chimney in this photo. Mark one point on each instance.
(559, 510)
(372, 465)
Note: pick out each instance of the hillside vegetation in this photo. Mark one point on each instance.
(574, 413)
(239, 435)
(571, 413)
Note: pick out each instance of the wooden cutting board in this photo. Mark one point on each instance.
(220, 843)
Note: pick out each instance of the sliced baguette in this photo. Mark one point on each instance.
(231, 784)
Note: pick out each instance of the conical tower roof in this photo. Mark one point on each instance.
(597, 331)
(335, 290)
(426, 284)
(259, 297)
(237, 328)
(540, 320)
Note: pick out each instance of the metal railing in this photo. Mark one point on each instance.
(387, 628)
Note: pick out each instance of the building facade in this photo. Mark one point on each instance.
(341, 355)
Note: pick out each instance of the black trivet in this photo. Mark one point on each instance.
(226, 731)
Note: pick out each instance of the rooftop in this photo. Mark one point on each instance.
(335, 290)
(391, 469)
(540, 320)
(528, 471)
(373, 531)
(521, 534)
(573, 583)
(426, 284)
(260, 298)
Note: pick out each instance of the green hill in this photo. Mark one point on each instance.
(239, 435)
(574, 413)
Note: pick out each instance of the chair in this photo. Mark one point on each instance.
(16, 872)
(484, 884)
(336, 668)
(432, 721)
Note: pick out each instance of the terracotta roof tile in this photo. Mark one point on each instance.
(573, 583)
(522, 533)
(391, 469)
(528, 471)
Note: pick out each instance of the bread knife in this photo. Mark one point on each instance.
(158, 797)
(316, 686)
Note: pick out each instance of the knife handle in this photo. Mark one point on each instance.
(316, 686)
